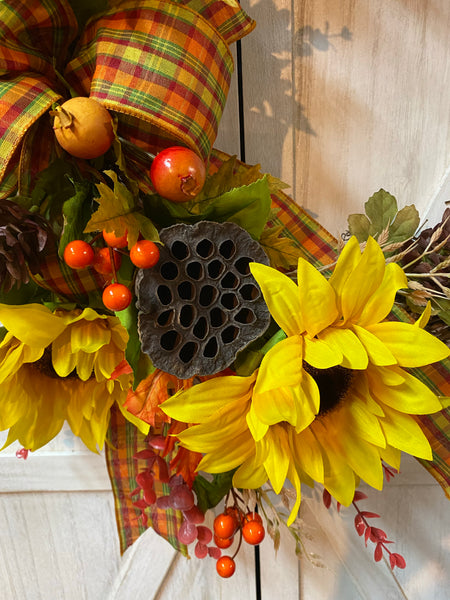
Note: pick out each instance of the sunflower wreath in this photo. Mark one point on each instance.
(184, 310)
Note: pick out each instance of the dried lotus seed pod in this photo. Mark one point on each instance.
(200, 305)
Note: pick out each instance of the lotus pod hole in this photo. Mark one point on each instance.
(200, 305)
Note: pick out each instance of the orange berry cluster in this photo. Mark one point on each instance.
(226, 525)
(144, 254)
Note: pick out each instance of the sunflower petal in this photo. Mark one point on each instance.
(359, 288)
(258, 429)
(295, 480)
(320, 354)
(278, 458)
(380, 303)
(307, 398)
(281, 365)
(250, 475)
(347, 261)
(200, 401)
(228, 456)
(403, 432)
(281, 296)
(364, 423)
(347, 343)
(275, 406)
(45, 325)
(317, 298)
(412, 396)
(411, 346)
(379, 353)
(307, 454)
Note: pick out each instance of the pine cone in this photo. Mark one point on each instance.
(23, 238)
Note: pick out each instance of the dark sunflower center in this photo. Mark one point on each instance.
(45, 366)
(333, 384)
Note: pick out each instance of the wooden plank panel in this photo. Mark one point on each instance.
(362, 87)
(57, 546)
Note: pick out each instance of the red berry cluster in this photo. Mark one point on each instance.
(144, 254)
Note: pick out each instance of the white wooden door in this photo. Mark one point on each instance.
(341, 98)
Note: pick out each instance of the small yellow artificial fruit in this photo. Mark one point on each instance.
(83, 127)
(332, 399)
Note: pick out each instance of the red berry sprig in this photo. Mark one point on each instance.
(370, 533)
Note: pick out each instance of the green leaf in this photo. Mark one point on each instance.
(405, 224)
(118, 212)
(210, 493)
(52, 189)
(138, 361)
(359, 225)
(247, 206)
(77, 212)
(282, 251)
(381, 209)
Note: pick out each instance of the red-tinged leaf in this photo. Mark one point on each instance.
(369, 515)
(145, 455)
(144, 518)
(149, 496)
(360, 526)
(359, 496)
(367, 534)
(392, 561)
(214, 552)
(201, 550)
(158, 442)
(378, 552)
(135, 491)
(400, 562)
(204, 534)
(377, 535)
(144, 479)
(338, 506)
(123, 368)
(163, 471)
(142, 504)
(326, 497)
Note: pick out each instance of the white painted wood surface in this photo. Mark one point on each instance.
(341, 98)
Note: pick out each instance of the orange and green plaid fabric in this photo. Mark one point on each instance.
(163, 66)
(319, 248)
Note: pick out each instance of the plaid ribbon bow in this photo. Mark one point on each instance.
(163, 67)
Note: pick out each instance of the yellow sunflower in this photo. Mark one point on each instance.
(56, 367)
(332, 399)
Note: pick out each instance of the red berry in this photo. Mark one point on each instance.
(78, 254)
(102, 261)
(178, 174)
(253, 532)
(116, 296)
(225, 526)
(144, 254)
(115, 242)
(225, 566)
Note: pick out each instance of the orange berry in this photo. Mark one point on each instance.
(102, 261)
(223, 542)
(225, 526)
(253, 532)
(144, 254)
(251, 516)
(115, 242)
(116, 297)
(78, 254)
(225, 566)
